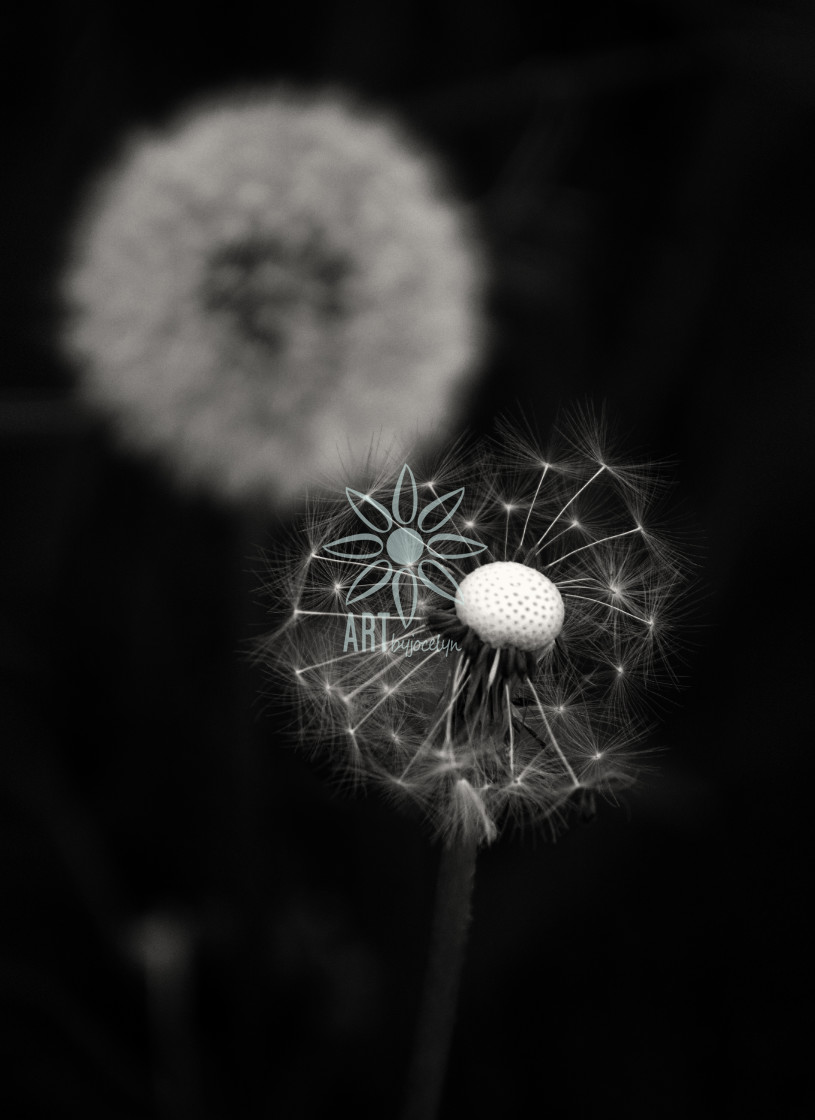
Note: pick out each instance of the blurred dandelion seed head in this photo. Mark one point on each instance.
(256, 288)
(520, 692)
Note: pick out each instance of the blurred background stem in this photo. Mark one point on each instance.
(451, 923)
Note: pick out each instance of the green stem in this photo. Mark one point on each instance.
(434, 1032)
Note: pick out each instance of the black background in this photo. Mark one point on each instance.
(642, 178)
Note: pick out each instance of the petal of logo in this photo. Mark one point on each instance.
(417, 551)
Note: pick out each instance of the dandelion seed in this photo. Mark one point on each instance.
(259, 286)
(524, 695)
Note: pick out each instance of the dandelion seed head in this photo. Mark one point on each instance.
(259, 285)
(557, 637)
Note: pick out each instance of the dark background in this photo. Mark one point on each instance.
(192, 923)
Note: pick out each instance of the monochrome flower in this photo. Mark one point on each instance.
(523, 693)
(258, 288)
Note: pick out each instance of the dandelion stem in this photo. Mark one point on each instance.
(434, 1032)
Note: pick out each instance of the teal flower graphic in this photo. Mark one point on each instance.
(411, 558)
